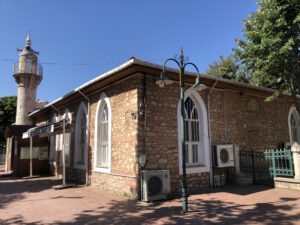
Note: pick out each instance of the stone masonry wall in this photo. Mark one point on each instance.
(123, 178)
(257, 130)
(123, 99)
(231, 122)
(162, 135)
(155, 131)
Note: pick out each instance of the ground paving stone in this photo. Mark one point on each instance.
(35, 202)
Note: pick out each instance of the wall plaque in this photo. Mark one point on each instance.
(252, 105)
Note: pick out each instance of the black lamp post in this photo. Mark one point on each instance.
(163, 80)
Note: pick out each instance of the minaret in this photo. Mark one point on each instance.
(28, 75)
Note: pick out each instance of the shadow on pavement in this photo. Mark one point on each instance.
(202, 212)
(12, 189)
(238, 190)
(283, 211)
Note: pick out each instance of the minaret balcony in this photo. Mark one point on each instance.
(28, 68)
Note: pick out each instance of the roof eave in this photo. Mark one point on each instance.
(137, 61)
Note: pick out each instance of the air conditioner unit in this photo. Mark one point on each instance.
(223, 155)
(155, 185)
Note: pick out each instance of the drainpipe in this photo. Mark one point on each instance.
(145, 116)
(63, 153)
(30, 157)
(209, 133)
(225, 116)
(56, 171)
(88, 138)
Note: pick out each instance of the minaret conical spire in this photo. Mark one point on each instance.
(28, 41)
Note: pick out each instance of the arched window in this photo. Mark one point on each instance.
(67, 139)
(294, 125)
(103, 135)
(192, 139)
(53, 141)
(81, 136)
(196, 134)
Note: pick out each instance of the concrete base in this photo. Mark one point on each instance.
(31, 177)
(4, 174)
(62, 186)
(287, 183)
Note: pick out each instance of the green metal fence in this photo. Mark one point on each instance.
(281, 162)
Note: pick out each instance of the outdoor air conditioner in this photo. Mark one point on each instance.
(155, 185)
(223, 155)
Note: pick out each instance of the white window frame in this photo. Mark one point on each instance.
(66, 115)
(103, 98)
(293, 111)
(81, 108)
(203, 127)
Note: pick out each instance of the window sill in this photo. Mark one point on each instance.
(194, 165)
(102, 169)
(195, 169)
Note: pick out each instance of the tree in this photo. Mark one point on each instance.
(271, 46)
(7, 117)
(228, 69)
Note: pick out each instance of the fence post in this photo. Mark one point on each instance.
(273, 163)
(296, 160)
(237, 159)
(253, 166)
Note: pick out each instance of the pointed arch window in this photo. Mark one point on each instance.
(81, 136)
(103, 135)
(294, 125)
(192, 131)
(196, 134)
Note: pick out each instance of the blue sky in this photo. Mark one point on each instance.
(101, 34)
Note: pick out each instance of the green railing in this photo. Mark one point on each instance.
(281, 162)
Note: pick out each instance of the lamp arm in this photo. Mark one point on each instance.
(170, 59)
(192, 64)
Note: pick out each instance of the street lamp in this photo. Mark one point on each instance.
(163, 80)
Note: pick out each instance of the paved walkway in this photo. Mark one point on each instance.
(35, 202)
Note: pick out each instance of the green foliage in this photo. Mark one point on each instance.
(271, 46)
(7, 117)
(228, 69)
